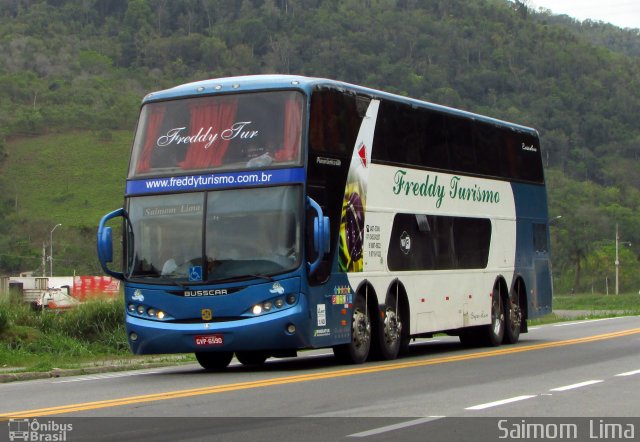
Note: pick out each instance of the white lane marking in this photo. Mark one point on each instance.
(502, 402)
(396, 426)
(567, 324)
(629, 373)
(103, 376)
(578, 385)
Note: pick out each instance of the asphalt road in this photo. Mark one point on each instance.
(579, 377)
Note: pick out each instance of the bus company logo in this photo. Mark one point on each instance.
(405, 243)
(137, 296)
(207, 136)
(32, 430)
(531, 148)
(197, 293)
(206, 314)
(277, 289)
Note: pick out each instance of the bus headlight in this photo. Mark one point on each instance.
(272, 305)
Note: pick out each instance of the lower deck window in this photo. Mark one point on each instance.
(430, 242)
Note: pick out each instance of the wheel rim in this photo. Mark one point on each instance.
(497, 314)
(515, 315)
(361, 329)
(392, 327)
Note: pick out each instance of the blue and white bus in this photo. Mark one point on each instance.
(268, 214)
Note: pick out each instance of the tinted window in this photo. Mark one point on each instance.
(425, 138)
(244, 131)
(460, 140)
(335, 121)
(429, 242)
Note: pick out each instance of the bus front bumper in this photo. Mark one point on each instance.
(283, 330)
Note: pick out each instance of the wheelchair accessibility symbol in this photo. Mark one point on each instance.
(195, 273)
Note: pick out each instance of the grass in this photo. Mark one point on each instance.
(43, 340)
(625, 302)
(591, 307)
(72, 178)
(94, 332)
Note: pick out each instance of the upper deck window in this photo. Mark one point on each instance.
(244, 131)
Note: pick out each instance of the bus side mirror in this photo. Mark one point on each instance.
(321, 230)
(321, 235)
(105, 243)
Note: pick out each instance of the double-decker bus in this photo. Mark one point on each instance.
(268, 214)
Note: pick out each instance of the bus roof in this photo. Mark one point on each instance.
(279, 82)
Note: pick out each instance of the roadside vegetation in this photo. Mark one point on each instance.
(94, 334)
(628, 303)
(43, 340)
(72, 73)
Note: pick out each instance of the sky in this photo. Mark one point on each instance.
(622, 13)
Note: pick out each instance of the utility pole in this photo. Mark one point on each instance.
(617, 260)
(51, 249)
(44, 259)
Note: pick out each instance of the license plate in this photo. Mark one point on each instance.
(209, 340)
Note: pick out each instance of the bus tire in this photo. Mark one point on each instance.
(513, 318)
(392, 334)
(214, 361)
(493, 334)
(357, 351)
(251, 357)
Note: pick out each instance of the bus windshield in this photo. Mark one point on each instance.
(215, 236)
(241, 131)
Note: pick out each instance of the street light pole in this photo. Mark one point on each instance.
(617, 260)
(51, 249)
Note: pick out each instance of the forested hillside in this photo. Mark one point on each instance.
(81, 67)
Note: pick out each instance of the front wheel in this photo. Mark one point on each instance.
(251, 357)
(357, 351)
(214, 361)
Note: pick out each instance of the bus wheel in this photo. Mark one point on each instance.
(513, 319)
(390, 335)
(214, 361)
(494, 332)
(357, 351)
(251, 357)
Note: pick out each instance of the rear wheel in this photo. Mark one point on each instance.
(393, 336)
(493, 333)
(214, 361)
(513, 319)
(251, 357)
(357, 351)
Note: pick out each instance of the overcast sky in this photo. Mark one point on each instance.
(622, 13)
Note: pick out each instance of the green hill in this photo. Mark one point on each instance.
(72, 179)
(72, 73)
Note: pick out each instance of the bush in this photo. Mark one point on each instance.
(92, 320)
